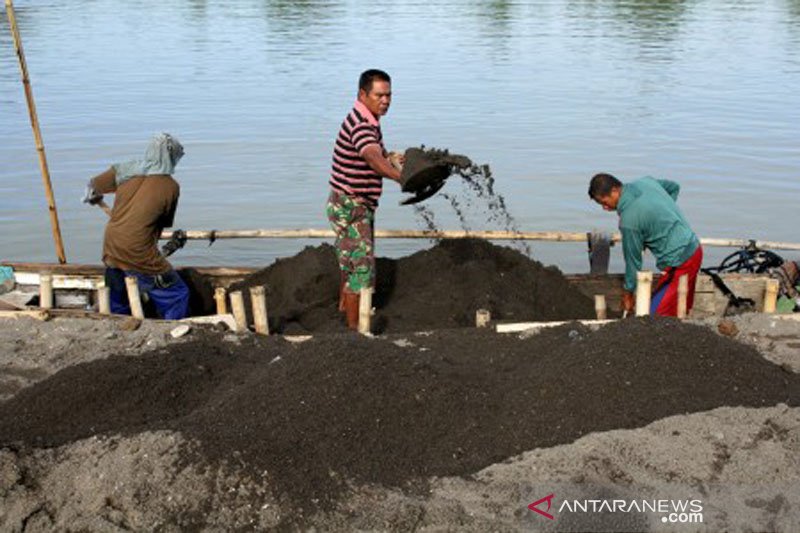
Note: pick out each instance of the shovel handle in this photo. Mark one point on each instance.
(104, 206)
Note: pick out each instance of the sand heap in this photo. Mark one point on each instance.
(441, 287)
(306, 421)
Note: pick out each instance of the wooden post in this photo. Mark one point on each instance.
(46, 291)
(103, 299)
(644, 282)
(683, 294)
(600, 306)
(221, 297)
(237, 305)
(37, 135)
(482, 318)
(771, 296)
(134, 299)
(365, 311)
(259, 301)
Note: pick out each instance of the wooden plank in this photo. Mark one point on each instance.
(51, 268)
(38, 314)
(526, 326)
(223, 318)
(60, 281)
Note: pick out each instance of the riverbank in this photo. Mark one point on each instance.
(105, 428)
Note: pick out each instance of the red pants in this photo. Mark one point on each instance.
(665, 296)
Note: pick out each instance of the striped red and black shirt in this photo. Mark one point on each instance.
(350, 172)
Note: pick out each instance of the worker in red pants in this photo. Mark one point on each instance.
(649, 217)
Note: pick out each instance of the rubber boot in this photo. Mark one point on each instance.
(351, 305)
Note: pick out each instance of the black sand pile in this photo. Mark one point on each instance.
(441, 287)
(315, 416)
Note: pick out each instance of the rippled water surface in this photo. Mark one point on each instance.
(703, 92)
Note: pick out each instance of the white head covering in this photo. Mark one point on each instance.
(161, 156)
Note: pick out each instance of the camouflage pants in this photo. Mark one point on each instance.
(353, 222)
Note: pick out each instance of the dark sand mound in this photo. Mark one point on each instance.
(319, 414)
(441, 287)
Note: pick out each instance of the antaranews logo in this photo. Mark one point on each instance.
(535, 506)
(672, 511)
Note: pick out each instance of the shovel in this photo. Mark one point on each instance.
(423, 175)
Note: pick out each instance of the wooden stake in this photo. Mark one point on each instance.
(134, 299)
(103, 299)
(46, 291)
(237, 305)
(644, 282)
(259, 301)
(683, 295)
(482, 318)
(365, 311)
(771, 296)
(37, 135)
(600, 306)
(221, 297)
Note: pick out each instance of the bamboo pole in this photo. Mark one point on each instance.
(46, 291)
(683, 294)
(237, 305)
(600, 306)
(385, 234)
(103, 299)
(258, 300)
(644, 281)
(553, 236)
(771, 296)
(221, 297)
(134, 299)
(37, 135)
(365, 311)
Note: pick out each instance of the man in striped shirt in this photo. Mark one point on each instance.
(360, 163)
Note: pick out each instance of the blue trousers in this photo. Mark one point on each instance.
(167, 291)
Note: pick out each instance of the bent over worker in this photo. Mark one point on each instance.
(360, 162)
(146, 197)
(649, 217)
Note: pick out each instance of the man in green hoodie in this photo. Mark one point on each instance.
(650, 218)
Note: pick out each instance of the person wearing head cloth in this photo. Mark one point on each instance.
(360, 163)
(146, 197)
(649, 217)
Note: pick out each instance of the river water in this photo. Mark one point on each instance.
(704, 92)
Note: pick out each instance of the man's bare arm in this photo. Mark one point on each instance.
(373, 155)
